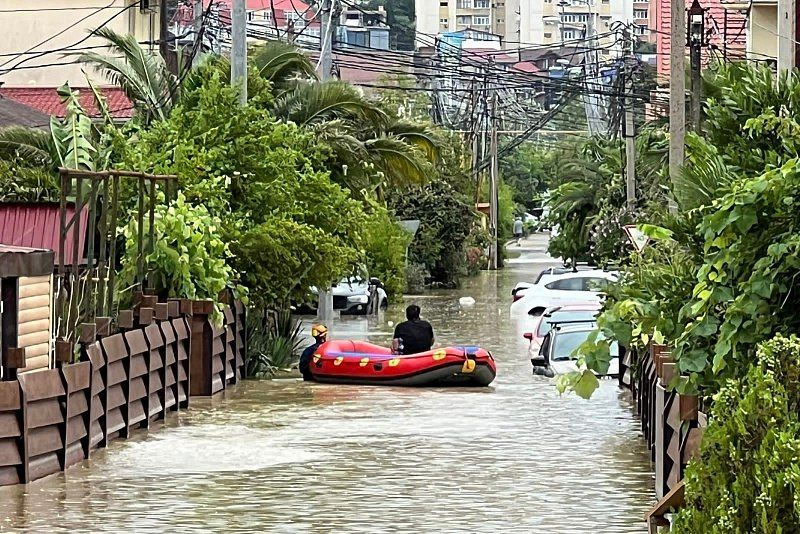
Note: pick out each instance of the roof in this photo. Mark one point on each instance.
(257, 5)
(13, 113)
(23, 261)
(36, 225)
(525, 66)
(46, 100)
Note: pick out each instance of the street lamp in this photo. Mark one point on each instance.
(696, 25)
(695, 40)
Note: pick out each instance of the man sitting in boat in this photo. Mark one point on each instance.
(414, 335)
(320, 334)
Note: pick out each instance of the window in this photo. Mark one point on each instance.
(640, 13)
(294, 19)
(568, 34)
(548, 35)
(643, 29)
(442, 4)
(464, 20)
(478, 20)
(443, 21)
(566, 284)
(481, 4)
(464, 4)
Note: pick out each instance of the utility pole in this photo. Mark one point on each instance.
(786, 34)
(197, 15)
(325, 310)
(494, 184)
(327, 30)
(677, 92)
(630, 130)
(239, 49)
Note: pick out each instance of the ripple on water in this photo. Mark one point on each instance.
(286, 456)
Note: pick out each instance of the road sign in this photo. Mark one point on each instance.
(638, 238)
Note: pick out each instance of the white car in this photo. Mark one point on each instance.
(570, 288)
(547, 275)
(354, 295)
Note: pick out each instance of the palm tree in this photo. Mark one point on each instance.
(283, 64)
(31, 145)
(149, 85)
(371, 150)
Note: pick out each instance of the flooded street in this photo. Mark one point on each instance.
(288, 456)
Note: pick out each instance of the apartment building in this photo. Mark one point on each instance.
(35, 34)
(539, 22)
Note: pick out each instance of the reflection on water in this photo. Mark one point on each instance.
(285, 456)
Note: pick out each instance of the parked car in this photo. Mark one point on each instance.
(557, 355)
(569, 288)
(356, 295)
(569, 314)
(544, 276)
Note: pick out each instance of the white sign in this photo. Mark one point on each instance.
(636, 236)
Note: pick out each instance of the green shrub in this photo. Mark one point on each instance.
(747, 477)
(384, 245)
(189, 257)
(273, 343)
(446, 225)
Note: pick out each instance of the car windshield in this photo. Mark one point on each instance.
(564, 316)
(565, 344)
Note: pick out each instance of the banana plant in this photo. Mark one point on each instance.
(72, 135)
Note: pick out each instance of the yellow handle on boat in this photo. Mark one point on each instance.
(469, 366)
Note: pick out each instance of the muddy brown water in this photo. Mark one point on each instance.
(287, 456)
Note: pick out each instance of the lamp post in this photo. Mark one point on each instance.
(695, 40)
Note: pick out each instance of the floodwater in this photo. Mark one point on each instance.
(288, 456)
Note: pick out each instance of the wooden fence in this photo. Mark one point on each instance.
(672, 423)
(54, 418)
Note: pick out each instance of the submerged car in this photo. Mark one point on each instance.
(571, 313)
(570, 288)
(545, 276)
(557, 355)
(357, 295)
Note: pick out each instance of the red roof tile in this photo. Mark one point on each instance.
(525, 66)
(46, 100)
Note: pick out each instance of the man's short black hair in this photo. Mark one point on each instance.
(412, 312)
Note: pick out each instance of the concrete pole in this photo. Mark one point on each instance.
(197, 15)
(786, 35)
(239, 49)
(494, 184)
(327, 30)
(630, 142)
(677, 91)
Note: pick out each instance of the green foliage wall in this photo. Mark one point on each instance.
(747, 477)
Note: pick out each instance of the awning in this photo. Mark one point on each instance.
(22, 261)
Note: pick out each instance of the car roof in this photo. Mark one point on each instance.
(594, 273)
(574, 327)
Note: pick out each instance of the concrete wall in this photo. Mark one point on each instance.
(25, 24)
(762, 41)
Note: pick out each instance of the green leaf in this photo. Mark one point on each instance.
(586, 384)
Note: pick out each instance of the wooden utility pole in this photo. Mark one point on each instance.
(239, 49)
(677, 91)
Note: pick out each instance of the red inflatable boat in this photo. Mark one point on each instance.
(359, 362)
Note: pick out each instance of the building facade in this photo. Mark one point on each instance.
(36, 35)
(522, 23)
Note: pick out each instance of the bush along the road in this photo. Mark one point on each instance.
(447, 224)
(730, 253)
(747, 476)
(273, 343)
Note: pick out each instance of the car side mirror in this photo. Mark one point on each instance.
(528, 336)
